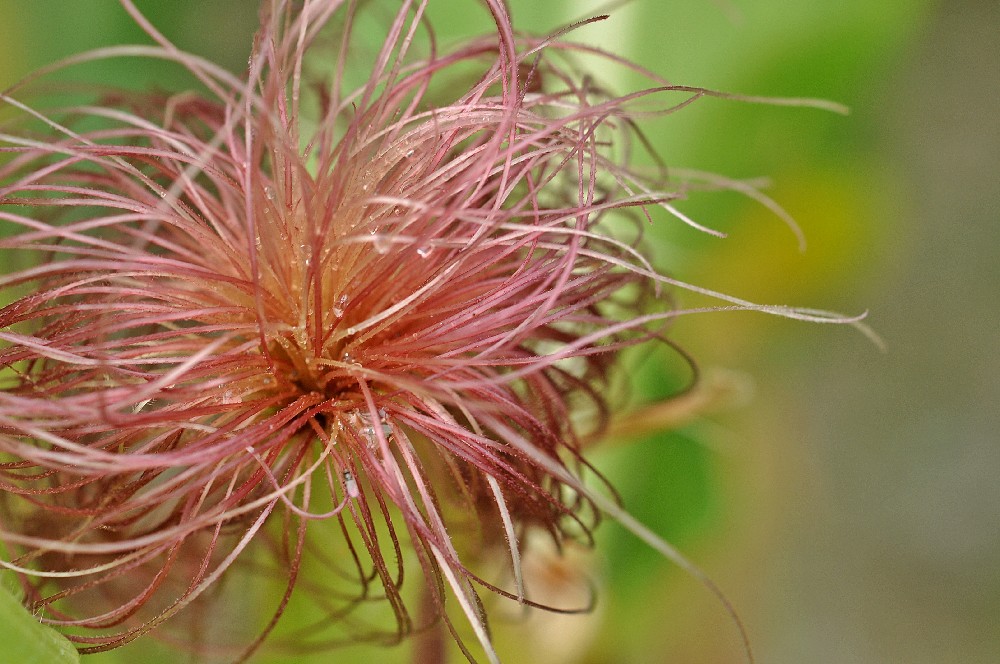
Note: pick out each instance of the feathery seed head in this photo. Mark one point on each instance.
(387, 302)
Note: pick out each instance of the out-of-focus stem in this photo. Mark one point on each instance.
(429, 645)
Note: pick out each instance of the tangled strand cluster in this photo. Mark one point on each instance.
(285, 301)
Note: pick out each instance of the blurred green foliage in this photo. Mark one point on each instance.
(25, 641)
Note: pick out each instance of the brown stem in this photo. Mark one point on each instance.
(430, 644)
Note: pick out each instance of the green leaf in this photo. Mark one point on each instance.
(26, 641)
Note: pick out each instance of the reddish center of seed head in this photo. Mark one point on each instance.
(319, 240)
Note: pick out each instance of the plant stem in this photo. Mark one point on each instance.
(429, 646)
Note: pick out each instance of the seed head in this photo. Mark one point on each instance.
(339, 318)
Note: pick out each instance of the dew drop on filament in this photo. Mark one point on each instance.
(338, 309)
(381, 244)
(351, 485)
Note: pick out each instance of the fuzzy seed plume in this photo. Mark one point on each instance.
(346, 320)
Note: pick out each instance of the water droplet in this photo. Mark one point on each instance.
(424, 252)
(338, 309)
(351, 484)
(305, 251)
(269, 192)
(410, 153)
(381, 244)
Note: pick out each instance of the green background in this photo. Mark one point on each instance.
(848, 505)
